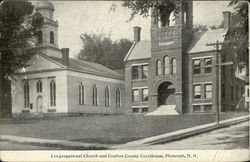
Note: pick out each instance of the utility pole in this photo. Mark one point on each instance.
(217, 66)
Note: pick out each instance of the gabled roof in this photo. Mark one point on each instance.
(139, 50)
(89, 67)
(201, 39)
(142, 49)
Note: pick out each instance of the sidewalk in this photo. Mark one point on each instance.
(184, 133)
(176, 135)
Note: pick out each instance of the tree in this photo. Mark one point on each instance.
(99, 48)
(18, 26)
(163, 8)
(238, 34)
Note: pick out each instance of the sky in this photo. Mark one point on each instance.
(78, 17)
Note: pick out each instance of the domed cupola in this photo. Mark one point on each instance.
(46, 8)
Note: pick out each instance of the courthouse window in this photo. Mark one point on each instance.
(197, 66)
(173, 66)
(208, 65)
(144, 94)
(144, 71)
(197, 91)
(208, 90)
(135, 97)
(135, 72)
(158, 68)
(166, 65)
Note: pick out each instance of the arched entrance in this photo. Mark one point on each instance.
(39, 104)
(166, 94)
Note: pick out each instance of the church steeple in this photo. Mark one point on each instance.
(48, 35)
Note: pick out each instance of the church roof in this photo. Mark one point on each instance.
(201, 39)
(89, 67)
(142, 49)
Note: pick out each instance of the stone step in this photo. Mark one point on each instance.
(164, 110)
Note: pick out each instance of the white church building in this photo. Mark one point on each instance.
(55, 83)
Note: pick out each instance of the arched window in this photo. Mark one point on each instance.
(158, 67)
(39, 86)
(81, 94)
(52, 41)
(40, 36)
(106, 96)
(26, 94)
(94, 95)
(166, 65)
(118, 98)
(53, 93)
(173, 66)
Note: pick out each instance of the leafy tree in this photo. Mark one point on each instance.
(99, 48)
(18, 26)
(163, 8)
(239, 31)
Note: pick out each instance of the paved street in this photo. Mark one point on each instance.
(233, 137)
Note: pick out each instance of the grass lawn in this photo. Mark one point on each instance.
(105, 129)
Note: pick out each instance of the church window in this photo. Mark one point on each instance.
(53, 93)
(135, 95)
(40, 36)
(158, 68)
(106, 96)
(81, 94)
(197, 91)
(118, 98)
(94, 95)
(173, 66)
(39, 86)
(197, 66)
(144, 71)
(208, 90)
(135, 72)
(166, 65)
(52, 41)
(145, 94)
(26, 94)
(208, 65)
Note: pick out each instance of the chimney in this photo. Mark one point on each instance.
(65, 56)
(137, 33)
(226, 19)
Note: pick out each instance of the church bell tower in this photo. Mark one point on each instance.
(48, 35)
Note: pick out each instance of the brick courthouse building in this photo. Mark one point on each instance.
(177, 68)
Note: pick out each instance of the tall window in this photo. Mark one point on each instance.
(40, 36)
(53, 93)
(145, 94)
(39, 86)
(106, 96)
(173, 66)
(144, 71)
(81, 94)
(118, 98)
(158, 67)
(135, 95)
(208, 90)
(135, 72)
(166, 65)
(94, 95)
(26, 94)
(208, 65)
(197, 66)
(52, 41)
(197, 91)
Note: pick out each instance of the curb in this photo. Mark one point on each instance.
(55, 143)
(180, 134)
